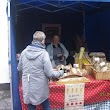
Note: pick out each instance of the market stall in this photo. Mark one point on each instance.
(84, 84)
(95, 92)
(103, 85)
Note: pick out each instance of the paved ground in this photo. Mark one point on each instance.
(5, 99)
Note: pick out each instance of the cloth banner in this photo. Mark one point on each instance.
(74, 96)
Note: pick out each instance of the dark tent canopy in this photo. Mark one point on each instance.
(83, 17)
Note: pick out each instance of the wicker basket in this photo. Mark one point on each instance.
(88, 67)
(100, 75)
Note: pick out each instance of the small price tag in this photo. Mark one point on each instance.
(96, 58)
(102, 64)
(76, 65)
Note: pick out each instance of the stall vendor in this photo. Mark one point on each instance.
(57, 52)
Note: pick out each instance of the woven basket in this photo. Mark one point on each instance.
(88, 67)
(100, 75)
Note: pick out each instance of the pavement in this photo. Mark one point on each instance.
(5, 99)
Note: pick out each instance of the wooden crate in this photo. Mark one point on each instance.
(88, 67)
(100, 75)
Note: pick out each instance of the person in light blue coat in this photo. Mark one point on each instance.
(57, 52)
(36, 68)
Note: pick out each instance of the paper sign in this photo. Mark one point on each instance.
(74, 96)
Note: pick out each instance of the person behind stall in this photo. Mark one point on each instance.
(17, 58)
(36, 70)
(57, 52)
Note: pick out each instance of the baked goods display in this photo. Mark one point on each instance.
(97, 54)
(94, 64)
(99, 61)
(73, 80)
(75, 73)
(83, 60)
(71, 72)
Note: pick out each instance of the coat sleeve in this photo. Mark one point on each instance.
(66, 53)
(49, 52)
(49, 72)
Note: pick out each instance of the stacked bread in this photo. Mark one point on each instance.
(71, 72)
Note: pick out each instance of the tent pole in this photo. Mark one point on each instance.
(9, 49)
(84, 27)
(84, 23)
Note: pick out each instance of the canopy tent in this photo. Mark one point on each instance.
(95, 25)
(53, 6)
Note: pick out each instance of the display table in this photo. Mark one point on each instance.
(95, 91)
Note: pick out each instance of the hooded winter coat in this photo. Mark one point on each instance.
(36, 70)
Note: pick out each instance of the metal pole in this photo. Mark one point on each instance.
(9, 49)
(26, 2)
(38, 8)
(67, 8)
(89, 5)
(30, 7)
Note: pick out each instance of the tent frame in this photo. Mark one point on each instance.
(59, 6)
